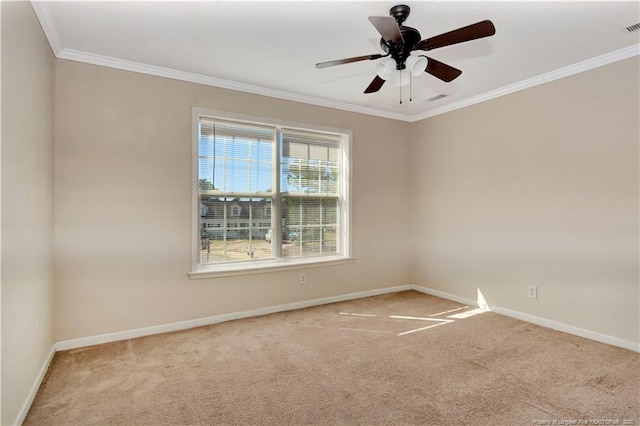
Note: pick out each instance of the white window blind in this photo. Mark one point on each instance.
(235, 184)
(310, 186)
(268, 193)
(235, 157)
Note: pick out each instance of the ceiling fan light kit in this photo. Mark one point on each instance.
(399, 41)
(415, 65)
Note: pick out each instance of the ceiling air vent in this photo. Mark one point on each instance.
(435, 98)
(633, 28)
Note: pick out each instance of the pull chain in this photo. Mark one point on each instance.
(401, 87)
(410, 87)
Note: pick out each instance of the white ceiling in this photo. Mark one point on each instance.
(272, 47)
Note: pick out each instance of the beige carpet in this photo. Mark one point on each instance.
(403, 359)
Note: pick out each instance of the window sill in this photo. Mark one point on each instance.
(232, 270)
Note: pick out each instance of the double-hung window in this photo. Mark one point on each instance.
(268, 195)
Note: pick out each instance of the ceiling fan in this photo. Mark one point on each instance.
(398, 41)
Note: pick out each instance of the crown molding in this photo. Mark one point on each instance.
(139, 67)
(47, 25)
(126, 65)
(80, 56)
(598, 61)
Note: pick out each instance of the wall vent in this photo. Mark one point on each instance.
(633, 28)
(435, 98)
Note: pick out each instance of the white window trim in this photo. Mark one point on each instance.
(267, 265)
(278, 263)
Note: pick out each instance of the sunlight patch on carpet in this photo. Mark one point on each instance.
(467, 314)
(389, 323)
(449, 311)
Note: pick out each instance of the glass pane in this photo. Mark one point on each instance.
(318, 153)
(309, 169)
(236, 179)
(235, 157)
(262, 177)
(205, 173)
(235, 171)
(234, 228)
(206, 146)
(310, 227)
(239, 148)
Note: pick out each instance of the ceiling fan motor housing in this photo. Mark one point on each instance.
(410, 37)
(402, 50)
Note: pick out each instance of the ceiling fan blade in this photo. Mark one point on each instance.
(440, 70)
(348, 60)
(375, 85)
(387, 27)
(468, 33)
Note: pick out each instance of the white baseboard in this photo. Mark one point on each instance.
(598, 337)
(183, 325)
(24, 410)
(447, 296)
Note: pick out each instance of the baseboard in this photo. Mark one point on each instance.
(592, 335)
(183, 325)
(447, 296)
(24, 410)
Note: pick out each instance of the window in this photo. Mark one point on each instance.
(252, 177)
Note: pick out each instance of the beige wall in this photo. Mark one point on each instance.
(536, 188)
(123, 204)
(27, 204)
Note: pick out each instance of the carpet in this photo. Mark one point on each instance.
(399, 359)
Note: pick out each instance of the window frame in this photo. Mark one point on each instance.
(277, 263)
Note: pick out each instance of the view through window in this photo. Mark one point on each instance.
(269, 192)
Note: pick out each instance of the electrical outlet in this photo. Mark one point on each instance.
(532, 292)
(303, 278)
